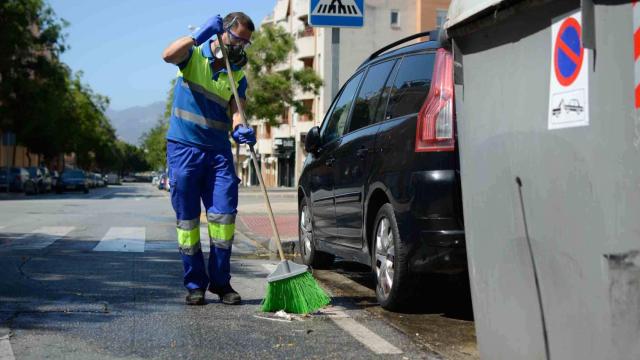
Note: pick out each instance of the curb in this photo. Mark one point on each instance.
(288, 245)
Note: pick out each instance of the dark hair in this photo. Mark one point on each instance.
(241, 18)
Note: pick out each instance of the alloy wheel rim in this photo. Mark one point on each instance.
(385, 256)
(305, 232)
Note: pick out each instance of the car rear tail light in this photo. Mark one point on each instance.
(435, 128)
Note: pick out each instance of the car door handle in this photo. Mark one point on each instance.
(330, 161)
(362, 152)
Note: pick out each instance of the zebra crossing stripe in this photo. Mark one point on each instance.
(41, 238)
(123, 239)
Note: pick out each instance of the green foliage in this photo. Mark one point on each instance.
(154, 144)
(154, 141)
(271, 92)
(49, 108)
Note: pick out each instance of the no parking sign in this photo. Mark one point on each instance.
(569, 84)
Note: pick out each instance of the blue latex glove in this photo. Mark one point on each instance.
(244, 135)
(212, 27)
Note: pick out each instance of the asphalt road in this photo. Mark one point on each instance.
(98, 276)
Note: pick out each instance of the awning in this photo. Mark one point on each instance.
(461, 10)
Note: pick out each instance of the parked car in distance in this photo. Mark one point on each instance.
(73, 179)
(35, 183)
(47, 179)
(54, 179)
(17, 178)
(381, 181)
(98, 180)
(162, 181)
(113, 179)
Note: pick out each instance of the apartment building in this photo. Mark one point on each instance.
(281, 148)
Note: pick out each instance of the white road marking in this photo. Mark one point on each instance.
(6, 353)
(41, 237)
(123, 239)
(365, 336)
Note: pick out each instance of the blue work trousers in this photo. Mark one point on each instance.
(197, 175)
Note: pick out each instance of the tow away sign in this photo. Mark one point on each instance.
(569, 84)
(337, 13)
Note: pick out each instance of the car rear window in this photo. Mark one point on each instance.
(411, 85)
(366, 108)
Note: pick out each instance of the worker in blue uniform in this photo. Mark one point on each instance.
(199, 154)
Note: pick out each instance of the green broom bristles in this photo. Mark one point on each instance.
(300, 294)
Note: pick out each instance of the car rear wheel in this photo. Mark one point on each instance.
(310, 256)
(389, 261)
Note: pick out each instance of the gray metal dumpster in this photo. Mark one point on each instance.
(549, 143)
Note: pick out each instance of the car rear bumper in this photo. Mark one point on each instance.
(433, 228)
(438, 252)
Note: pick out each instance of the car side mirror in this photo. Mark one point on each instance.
(312, 142)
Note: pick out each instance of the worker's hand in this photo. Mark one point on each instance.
(244, 135)
(212, 27)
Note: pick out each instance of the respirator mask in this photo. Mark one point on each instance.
(235, 48)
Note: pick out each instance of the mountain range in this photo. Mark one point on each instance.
(131, 123)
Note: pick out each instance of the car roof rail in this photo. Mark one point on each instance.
(432, 34)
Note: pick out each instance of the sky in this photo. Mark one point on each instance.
(118, 44)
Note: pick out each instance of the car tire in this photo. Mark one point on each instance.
(310, 256)
(389, 261)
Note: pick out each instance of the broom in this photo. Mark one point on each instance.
(290, 287)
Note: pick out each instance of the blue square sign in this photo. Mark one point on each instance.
(337, 13)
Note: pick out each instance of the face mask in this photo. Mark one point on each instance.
(237, 55)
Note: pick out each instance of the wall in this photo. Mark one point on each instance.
(578, 202)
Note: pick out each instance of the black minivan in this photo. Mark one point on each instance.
(381, 180)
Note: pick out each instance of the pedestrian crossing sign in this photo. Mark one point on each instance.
(337, 13)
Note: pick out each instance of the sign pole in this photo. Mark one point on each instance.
(335, 61)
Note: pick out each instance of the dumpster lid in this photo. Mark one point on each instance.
(461, 10)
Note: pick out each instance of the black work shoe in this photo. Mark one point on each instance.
(195, 297)
(227, 294)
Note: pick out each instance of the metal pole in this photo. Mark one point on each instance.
(335, 61)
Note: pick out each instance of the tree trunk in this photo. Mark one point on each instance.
(15, 149)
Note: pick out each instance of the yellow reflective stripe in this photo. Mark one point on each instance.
(222, 231)
(201, 120)
(188, 238)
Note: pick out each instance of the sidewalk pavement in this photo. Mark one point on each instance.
(258, 228)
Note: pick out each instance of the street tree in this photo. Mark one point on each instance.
(272, 92)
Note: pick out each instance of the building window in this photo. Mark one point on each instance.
(395, 18)
(441, 17)
(308, 63)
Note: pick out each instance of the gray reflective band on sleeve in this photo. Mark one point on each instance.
(201, 120)
(221, 218)
(190, 250)
(188, 224)
(221, 244)
(211, 96)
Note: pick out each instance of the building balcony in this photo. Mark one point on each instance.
(306, 47)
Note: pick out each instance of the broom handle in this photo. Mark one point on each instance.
(232, 83)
